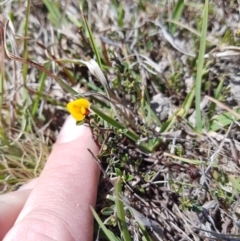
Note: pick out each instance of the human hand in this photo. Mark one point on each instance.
(56, 206)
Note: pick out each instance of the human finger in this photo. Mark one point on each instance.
(58, 208)
(11, 205)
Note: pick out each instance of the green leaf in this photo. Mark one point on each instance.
(54, 13)
(200, 63)
(40, 90)
(177, 12)
(118, 172)
(222, 120)
(131, 135)
(108, 211)
(120, 210)
(92, 41)
(216, 95)
(107, 232)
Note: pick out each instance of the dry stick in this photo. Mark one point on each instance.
(101, 168)
(3, 45)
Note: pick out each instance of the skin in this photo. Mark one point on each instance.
(56, 206)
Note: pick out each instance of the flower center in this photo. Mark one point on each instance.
(83, 110)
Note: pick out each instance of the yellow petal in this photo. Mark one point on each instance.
(78, 108)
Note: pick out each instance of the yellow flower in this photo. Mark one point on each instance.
(79, 108)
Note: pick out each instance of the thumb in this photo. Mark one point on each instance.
(58, 206)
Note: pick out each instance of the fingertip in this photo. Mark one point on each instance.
(71, 131)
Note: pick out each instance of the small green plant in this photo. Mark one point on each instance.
(185, 203)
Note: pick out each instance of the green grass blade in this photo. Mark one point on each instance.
(92, 41)
(24, 121)
(120, 15)
(54, 13)
(216, 96)
(185, 160)
(40, 90)
(1, 83)
(114, 123)
(120, 210)
(177, 12)
(146, 236)
(200, 67)
(132, 136)
(107, 232)
(25, 44)
(182, 112)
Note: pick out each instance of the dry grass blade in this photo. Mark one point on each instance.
(97, 72)
(170, 39)
(36, 65)
(221, 105)
(22, 161)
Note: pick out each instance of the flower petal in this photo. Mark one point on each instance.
(79, 108)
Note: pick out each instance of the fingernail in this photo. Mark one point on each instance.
(70, 131)
(29, 185)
